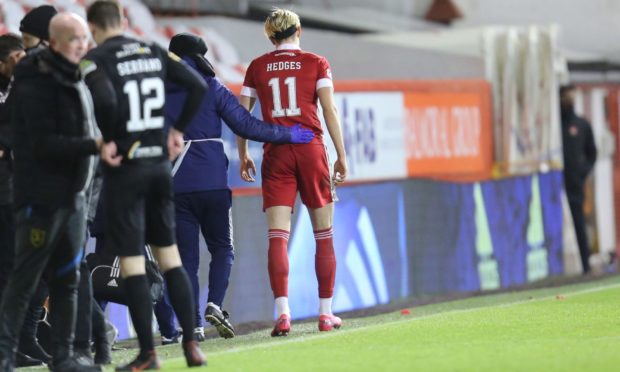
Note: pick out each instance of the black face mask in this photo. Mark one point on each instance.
(567, 111)
(40, 46)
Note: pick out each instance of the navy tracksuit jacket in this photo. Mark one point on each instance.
(202, 195)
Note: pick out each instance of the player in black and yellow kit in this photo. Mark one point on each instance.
(126, 77)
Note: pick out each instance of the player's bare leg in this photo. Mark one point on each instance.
(182, 300)
(279, 222)
(325, 264)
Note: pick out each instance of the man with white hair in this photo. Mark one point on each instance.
(53, 126)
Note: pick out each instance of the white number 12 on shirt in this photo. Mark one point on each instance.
(278, 111)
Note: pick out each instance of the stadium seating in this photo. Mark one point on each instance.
(142, 24)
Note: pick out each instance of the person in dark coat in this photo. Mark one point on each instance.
(579, 159)
(30, 352)
(53, 129)
(34, 28)
(11, 51)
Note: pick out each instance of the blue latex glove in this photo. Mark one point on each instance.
(301, 135)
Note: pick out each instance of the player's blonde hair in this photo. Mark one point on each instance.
(280, 20)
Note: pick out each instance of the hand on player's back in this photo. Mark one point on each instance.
(301, 135)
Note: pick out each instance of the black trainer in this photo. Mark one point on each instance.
(74, 365)
(23, 360)
(143, 362)
(83, 356)
(173, 340)
(219, 319)
(199, 334)
(34, 350)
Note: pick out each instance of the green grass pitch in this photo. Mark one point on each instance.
(570, 328)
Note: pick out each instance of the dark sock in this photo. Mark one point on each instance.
(140, 307)
(182, 300)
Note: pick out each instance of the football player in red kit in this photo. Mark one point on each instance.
(288, 82)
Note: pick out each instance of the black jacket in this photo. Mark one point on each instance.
(579, 152)
(53, 127)
(5, 151)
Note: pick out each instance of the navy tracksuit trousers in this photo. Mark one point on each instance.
(208, 212)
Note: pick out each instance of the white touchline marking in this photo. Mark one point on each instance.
(336, 333)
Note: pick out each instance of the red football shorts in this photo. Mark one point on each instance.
(287, 169)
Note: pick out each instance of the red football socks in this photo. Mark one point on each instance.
(325, 262)
(278, 262)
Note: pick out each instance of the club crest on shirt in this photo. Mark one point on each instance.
(87, 67)
(37, 237)
(573, 130)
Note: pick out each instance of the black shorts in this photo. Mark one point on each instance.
(139, 207)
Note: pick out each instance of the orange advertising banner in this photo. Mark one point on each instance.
(449, 134)
(447, 126)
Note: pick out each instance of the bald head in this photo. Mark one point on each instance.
(69, 36)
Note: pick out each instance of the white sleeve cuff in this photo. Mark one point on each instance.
(323, 83)
(248, 92)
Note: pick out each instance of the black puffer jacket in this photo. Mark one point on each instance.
(579, 153)
(53, 127)
(5, 148)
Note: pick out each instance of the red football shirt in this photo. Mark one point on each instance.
(285, 82)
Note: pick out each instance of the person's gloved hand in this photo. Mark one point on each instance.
(301, 135)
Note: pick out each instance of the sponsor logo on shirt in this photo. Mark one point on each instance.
(133, 49)
(573, 130)
(37, 237)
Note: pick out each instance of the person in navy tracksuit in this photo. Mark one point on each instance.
(203, 198)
